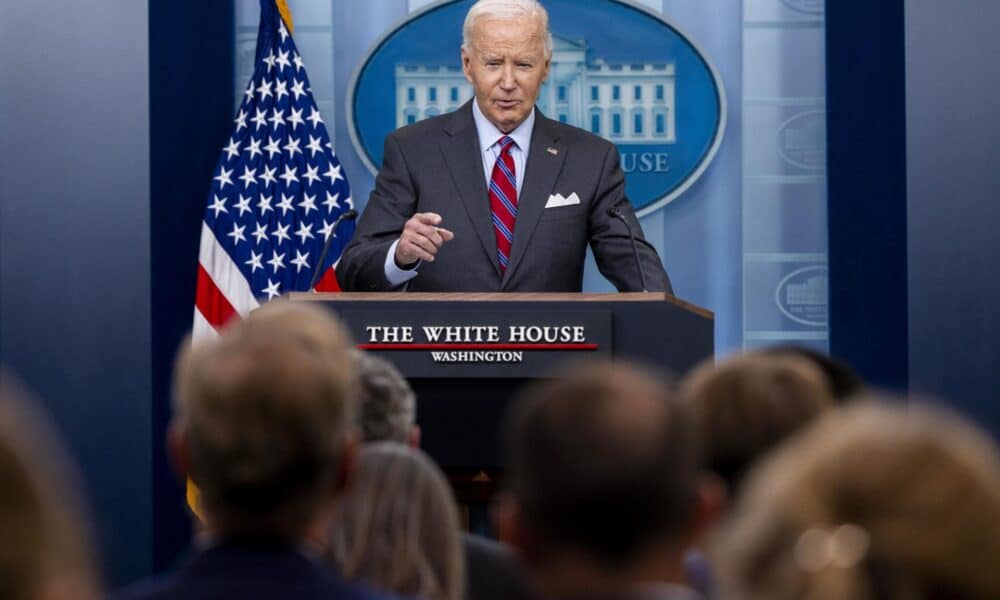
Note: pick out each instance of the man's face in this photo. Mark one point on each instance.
(506, 66)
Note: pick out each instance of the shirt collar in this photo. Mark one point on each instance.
(489, 134)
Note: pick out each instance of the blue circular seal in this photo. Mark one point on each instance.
(618, 70)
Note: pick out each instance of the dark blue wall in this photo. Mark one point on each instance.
(914, 183)
(866, 137)
(74, 245)
(191, 115)
(953, 208)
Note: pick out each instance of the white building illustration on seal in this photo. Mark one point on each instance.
(632, 103)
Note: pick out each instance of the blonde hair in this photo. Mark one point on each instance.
(748, 404)
(397, 528)
(871, 502)
(506, 9)
(46, 551)
(265, 409)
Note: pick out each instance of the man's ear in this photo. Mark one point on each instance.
(467, 64)
(414, 440)
(178, 450)
(712, 501)
(348, 461)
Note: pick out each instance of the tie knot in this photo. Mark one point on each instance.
(505, 143)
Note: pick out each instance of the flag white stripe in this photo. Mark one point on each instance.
(201, 329)
(224, 272)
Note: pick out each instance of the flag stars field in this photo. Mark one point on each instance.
(265, 190)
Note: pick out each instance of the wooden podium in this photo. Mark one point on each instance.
(465, 354)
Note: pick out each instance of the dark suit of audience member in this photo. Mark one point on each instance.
(605, 491)
(261, 425)
(249, 570)
(492, 571)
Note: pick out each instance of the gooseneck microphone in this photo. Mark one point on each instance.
(616, 213)
(349, 215)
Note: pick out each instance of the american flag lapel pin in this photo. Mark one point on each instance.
(552, 151)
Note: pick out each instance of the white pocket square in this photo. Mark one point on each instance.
(558, 200)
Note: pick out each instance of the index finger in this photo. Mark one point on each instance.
(428, 218)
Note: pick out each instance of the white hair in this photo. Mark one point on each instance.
(506, 9)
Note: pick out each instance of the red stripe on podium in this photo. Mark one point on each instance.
(477, 346)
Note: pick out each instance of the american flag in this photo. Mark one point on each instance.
(276, 191)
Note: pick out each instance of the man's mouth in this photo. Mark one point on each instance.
(507, 103)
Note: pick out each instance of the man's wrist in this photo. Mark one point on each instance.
(406, 267)
(395, 274)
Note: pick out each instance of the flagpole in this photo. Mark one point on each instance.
(286, 15)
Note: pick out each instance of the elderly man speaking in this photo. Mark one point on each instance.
(495, 197)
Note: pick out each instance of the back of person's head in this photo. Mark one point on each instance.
(843, 381)
(871, 502)
(746, 405)
(397, 527)
(263, 413)
(45, 550)
(602, 461)
(387, 406)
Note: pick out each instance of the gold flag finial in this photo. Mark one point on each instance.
(286, 14)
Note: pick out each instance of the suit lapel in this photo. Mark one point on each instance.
(462, 155)
(545, 160)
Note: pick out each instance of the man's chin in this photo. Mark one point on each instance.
(507, 120)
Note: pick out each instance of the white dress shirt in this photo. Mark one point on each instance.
(489, 135)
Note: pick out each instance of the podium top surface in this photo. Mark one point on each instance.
(497, 297)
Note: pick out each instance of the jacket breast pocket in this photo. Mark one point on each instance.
(564, 213)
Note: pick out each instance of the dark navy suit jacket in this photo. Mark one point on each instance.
(249, 571)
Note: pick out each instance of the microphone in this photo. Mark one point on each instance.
(616, 213)
(349, 215)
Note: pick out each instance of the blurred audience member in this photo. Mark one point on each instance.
(45, 549)
(869, 503)
(844, 383)
(746, 405)
(397, 527)
(604, 485)
(387, 406)
(387, 411)
(261, 425)
(310, 325)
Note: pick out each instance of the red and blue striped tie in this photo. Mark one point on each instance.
(503, 200)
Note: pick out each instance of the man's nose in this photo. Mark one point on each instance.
(507, 80)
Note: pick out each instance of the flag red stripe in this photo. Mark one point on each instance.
(211, 302)
(328, 283)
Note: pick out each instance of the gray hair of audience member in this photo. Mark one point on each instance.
(397, 527)
(871, 502)
(387, 406)
(748, 404)
(506, 9)
(603, 459)
(46, 550)
(264, 412)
